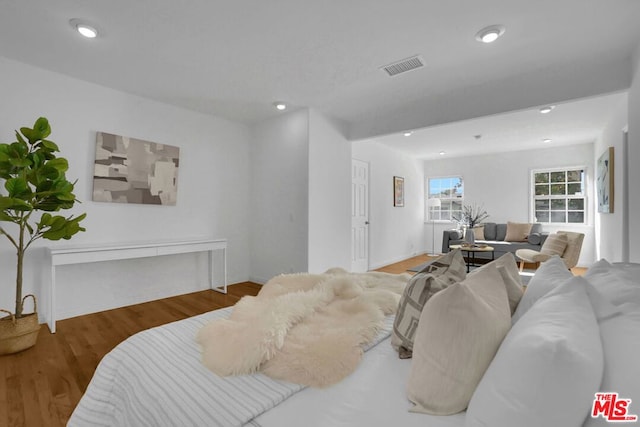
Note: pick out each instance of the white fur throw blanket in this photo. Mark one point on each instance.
(303, 328)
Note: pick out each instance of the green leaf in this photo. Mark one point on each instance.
(48, 172)
(45, 219)
(60, 164)
(20, 138)
(17, 187)
(5, 217)
(42, 128)
(30, 134)
(20, 163)
(18, 150)
(50, 145)
(5, 202)
(63, 228)
(17, 205)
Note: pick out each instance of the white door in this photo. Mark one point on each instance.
(359, 216)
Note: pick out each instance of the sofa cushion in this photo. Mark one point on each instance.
(478, 232)
(517, 231)
(501, 232)
(490, 231)
(534, 238)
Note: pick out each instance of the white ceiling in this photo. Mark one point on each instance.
(569, 123)
(235, 58)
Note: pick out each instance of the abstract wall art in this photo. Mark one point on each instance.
(604, 181)
(129, 170)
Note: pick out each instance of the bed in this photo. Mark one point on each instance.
(157, 378)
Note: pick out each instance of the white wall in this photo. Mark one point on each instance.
(501, 182)
(279, 217)
(609, 232)
(213, 190)
(329, 195)
(634, 161)
(395, 233)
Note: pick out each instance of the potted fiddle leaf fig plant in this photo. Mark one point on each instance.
(35, 186)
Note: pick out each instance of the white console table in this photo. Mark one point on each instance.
(80, 255)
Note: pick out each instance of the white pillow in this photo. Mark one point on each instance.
(619, 326)
(551, 273)
(617, 283)
(508, 269)
(460, 330)
(547, 369)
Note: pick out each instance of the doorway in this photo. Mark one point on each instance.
(359, 216)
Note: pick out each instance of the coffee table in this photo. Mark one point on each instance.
(471, 251)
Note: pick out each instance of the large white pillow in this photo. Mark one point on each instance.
(619, 331)
(617, 283)
(460, 330)
(548, 367)
(551, 273)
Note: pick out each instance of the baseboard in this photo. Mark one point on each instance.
(258, 280)
(395, 260)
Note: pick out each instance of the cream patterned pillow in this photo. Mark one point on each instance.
(444, 271)
(508, 269)
(555, 244)
(460, 331)
(517, 232)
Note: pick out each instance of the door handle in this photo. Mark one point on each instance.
(366, 223)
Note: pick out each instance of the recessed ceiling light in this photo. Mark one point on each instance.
(547, 109)
(546, 140)
(84, 28)
(280, 105)
(490, 34)
(408, 133)
(442, 153)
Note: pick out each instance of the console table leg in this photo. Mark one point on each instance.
(52, 301)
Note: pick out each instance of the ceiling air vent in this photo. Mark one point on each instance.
(405, 65)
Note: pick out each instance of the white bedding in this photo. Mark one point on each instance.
(374, 395)
(156, 378)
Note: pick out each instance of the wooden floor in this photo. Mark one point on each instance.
(41, 386)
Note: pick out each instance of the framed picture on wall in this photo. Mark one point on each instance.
(604, 181)
(398, 191)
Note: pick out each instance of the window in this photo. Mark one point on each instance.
(450, 191)
(559, 196)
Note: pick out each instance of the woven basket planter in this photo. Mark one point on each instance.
(19, 334)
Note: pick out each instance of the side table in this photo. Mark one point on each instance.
(471, 251)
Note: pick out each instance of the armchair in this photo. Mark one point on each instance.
(566, 244)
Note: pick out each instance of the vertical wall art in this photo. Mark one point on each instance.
(398, 191)
(129, 170)
(604, 181)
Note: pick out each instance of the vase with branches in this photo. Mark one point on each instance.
(470, 216)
